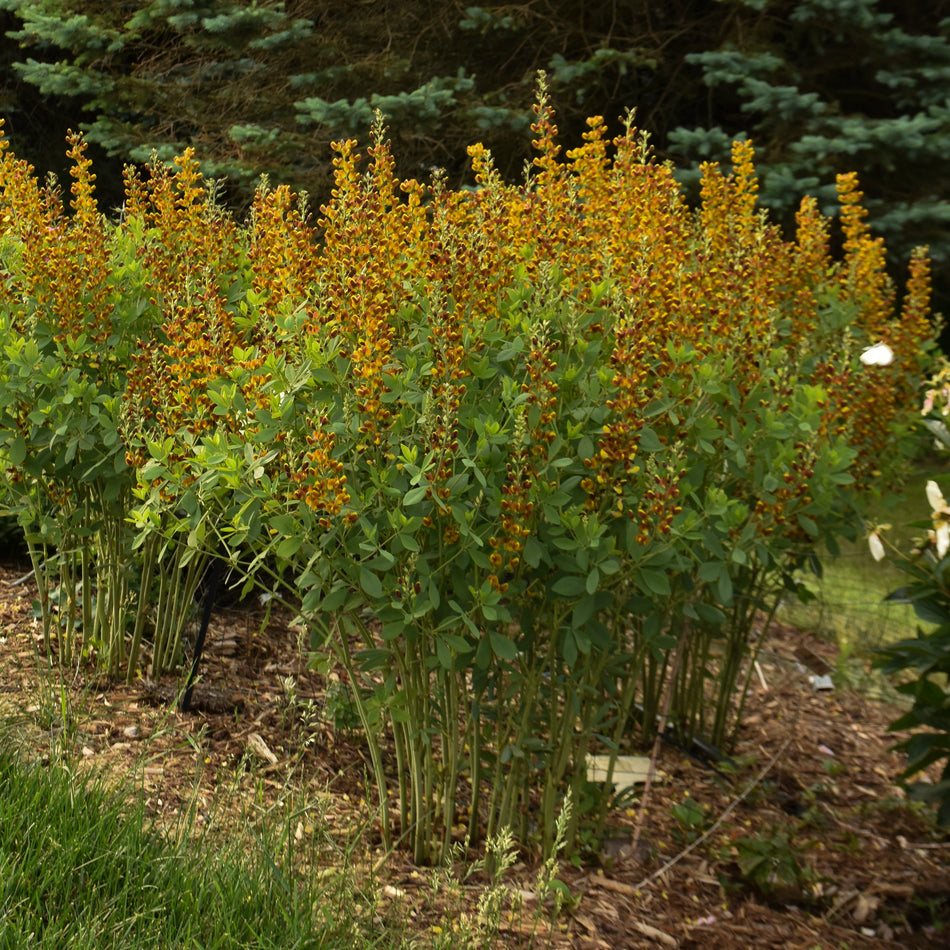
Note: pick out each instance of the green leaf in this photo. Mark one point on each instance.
(593, 581)
(710, 614)
(654, 581)
(569, 650)
(289, 546)
(153, 470)
(464, 617)
(457, 643)
(650, 441)
(370, 583)
(482, 658)
(17, 451)
(414, 495)
(532, 552)
(408, 542)
(610, 565)
(583, 611)
(724, 588)
(503, 647)
(284, 524)
(809, 526)
(709, 571)
(658, 406)
(435, 598)
(392, 630)
(334, 600)
(570, 585)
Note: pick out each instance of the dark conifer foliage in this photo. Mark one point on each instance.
(265, 87)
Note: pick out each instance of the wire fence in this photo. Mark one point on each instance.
(848, 604)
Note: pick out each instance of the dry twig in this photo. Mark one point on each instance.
(731, 807)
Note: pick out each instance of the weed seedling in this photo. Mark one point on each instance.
(692, 818)
(773, 865)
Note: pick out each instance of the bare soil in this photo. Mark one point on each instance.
(812, 766)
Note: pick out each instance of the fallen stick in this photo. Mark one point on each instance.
(655, 934)
(21, 580)
(729, 810)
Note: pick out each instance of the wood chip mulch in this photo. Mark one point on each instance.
(813, 765)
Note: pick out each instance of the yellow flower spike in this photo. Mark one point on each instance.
(864, 275)
(915, 320)
(745, 189)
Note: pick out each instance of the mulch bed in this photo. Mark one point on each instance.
(815, 766)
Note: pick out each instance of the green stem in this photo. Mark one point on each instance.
(450, 758)
(67, 608)
(376, 756)
(38, 558)
(560, 735)
(159, 635)
(142, 604)
(89, 632)
(417, 788)
(400, 742)
(506, 788)
(475, 768)
(426, 761)
(753, 657)
(627, 691)
(184, 598)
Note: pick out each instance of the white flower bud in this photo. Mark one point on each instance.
(943, 538)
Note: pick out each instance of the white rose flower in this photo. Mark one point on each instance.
(878, 355)
(935, 497)
(941, 518)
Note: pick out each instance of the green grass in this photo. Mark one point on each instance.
(85, 867)
(849, 605)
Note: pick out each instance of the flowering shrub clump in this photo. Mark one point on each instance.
(76, 311)
(530, 457)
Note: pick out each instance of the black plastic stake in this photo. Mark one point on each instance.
(215, 575)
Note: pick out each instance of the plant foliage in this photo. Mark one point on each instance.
(529, 460)
(921, 664)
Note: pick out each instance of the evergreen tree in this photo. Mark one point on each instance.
(828, 86)
(264, 87)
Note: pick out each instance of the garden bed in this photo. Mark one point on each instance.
(813, 784)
